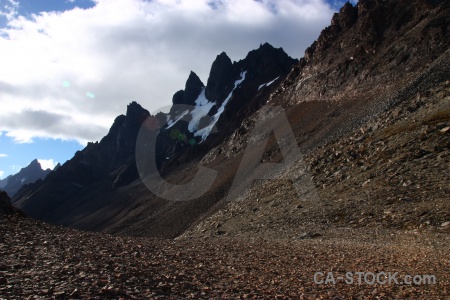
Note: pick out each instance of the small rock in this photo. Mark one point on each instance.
(75, 293)
(308, 235)
(446, 224)
(59, 295)
(366, 182)
(395, 113)
(45, 291)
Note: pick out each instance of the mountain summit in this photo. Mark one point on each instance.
(27, 175)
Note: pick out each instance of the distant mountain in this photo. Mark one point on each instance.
(3, 182)
(378, 64)
(27, 175)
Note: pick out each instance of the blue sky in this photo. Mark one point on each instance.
(69, 67)
(14, 156)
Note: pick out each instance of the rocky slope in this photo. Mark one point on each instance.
(30, 174)
(372, 123)
(47, 262)
(389, 173)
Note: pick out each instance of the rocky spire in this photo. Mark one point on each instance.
(191, 91)
(220, 76)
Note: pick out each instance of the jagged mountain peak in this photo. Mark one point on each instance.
(133, 118)
(267, 47)
(346, 17)
(134, 109)
(191, 91)
(193, 81)
(34, 164)
(265, 62)
(220, 76)
(136, 114)
(29, 174)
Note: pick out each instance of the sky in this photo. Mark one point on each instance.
(69, 67)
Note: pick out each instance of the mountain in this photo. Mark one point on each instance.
(3, 182)
(98, 168)
(101, 184)
(368, 108)
(30, 174)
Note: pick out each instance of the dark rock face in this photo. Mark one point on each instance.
(386, 41)
(27, 175)
(6, 207)
(191, 91)
(346, 17)
(220, 76)
(178, 97)
(99, 166)
(262, 65)
(267, 60)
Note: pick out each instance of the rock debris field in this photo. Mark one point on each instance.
(41, 261)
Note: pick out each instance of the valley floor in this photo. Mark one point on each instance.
(41, 261)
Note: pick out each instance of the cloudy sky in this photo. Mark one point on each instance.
(69, 67)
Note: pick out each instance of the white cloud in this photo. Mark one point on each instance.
(9, 9)
(3, 155)
(47, 164)
(130, 50)
(1, 173)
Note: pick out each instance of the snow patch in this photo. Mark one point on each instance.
(180, 116)
(204, 132)
(202, 108)
(268, 83)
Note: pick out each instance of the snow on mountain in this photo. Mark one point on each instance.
(204, 132)
(202, 108)
(178, 118)
(268, 83)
